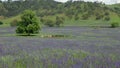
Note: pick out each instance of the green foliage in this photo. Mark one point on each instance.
(76, 17)
(3, 10)
(49, 22)
(1, 22)
(28, 24)
(107, 18)
(107, 13)
(42, 20)
(59, 21)
(98, 16)
(85, 16)
(20, 30)
(114, 24)
(75, 10)
(14, 23)
(30, 28)
(12, 8)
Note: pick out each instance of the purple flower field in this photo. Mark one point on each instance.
(85, 47)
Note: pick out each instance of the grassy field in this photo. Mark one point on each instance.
(77, 44)
(85, 39)
(7, 21)
(82, 47)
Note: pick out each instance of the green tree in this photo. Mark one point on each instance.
(29, 23)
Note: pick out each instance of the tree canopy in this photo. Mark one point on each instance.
(28, 24)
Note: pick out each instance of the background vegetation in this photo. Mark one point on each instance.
(49, 12)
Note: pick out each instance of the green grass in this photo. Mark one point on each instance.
(86, 23)
(7, 21)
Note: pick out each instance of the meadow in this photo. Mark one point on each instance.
(74, 34)
(81, 47)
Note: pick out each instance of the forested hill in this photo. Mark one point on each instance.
(115, 7)
(11, 8)
(77, 9)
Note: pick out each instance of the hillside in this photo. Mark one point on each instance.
(115, 5)
(73, 13)
(115, 8)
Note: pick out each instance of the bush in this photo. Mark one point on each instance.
(107, 13)
(114, 24)
(107, 18)
(42, 20)
(1, 22)
(85, 16)
(49, 23)
(76, 17)
(98, 17)
(59, 21)
(14, 23)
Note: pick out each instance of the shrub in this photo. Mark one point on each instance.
(107, 13)
(14, 23)
(107, 18)
(42, 20)
(1, 22)
(49, 23)
(59, 21)
(98, 17)
(114, 24)
(76, 17)
(85, 17)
